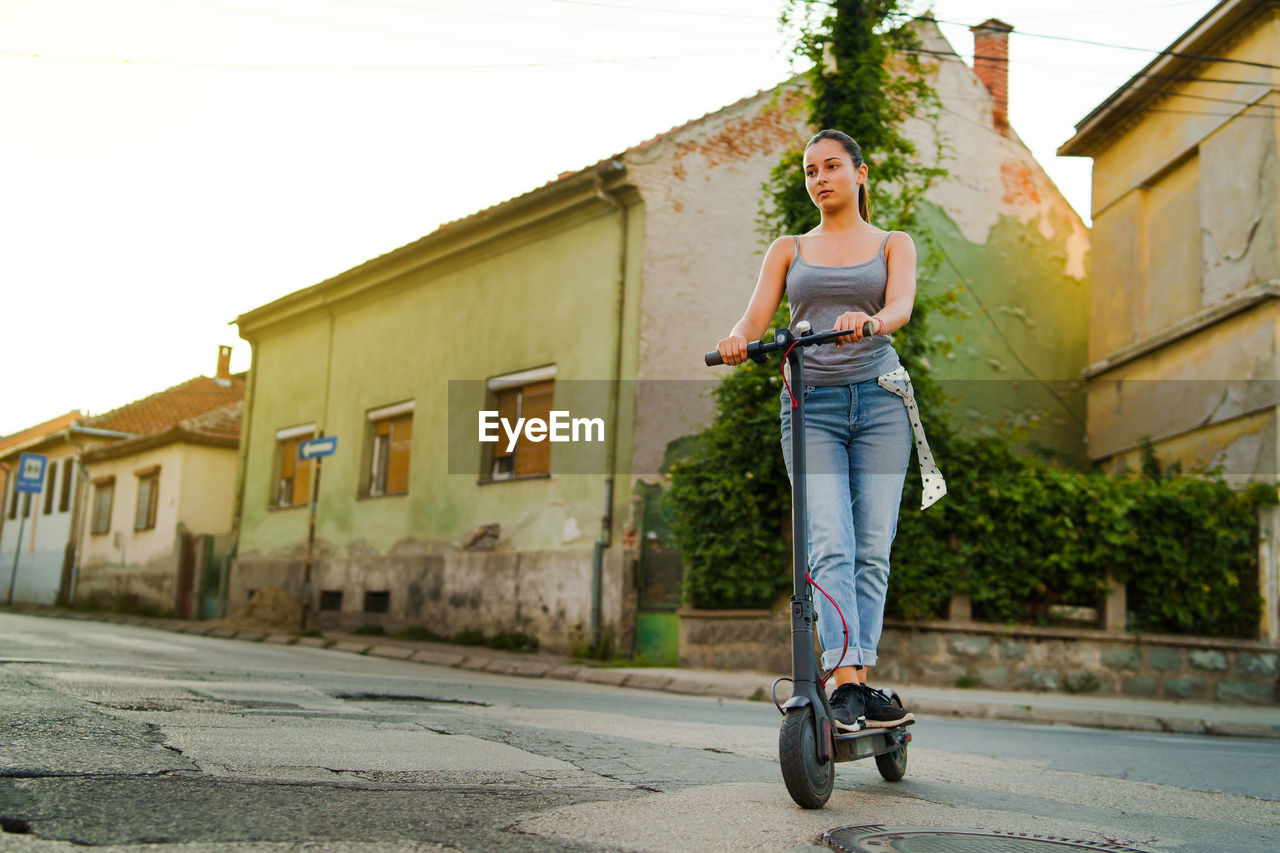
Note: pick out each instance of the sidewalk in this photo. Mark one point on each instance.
(1106, 712)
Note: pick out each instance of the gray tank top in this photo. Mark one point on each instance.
(820, 295)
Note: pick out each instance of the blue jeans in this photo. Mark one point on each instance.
(857, 446)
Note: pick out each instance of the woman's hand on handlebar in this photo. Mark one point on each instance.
(733, 349)
(853, 321)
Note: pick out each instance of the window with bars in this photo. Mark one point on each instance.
(103, 496)
(388, 450)
(144, 514)
(292, 484)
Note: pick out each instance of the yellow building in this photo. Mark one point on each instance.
(1185, 265)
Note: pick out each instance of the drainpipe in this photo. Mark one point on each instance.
(606, 519)
(4, 496)
(77, 516)
(242, 473)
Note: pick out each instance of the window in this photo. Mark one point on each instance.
(390, 440)
(330, 599)
(293, 475)
(377, 602)
(521, 395)
(64, 501)
(13, 494)
(49, 486)
(26, 504)
(103, 493)
(144, 514)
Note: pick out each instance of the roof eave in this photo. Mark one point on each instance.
(1216, 23)
(498, 218)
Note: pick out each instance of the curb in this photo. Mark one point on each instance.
(690, 683)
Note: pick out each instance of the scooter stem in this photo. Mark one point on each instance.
(804, 666)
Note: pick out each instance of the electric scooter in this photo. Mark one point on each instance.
(809, 744)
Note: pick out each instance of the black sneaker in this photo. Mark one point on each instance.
(847, 708)
(881, 711)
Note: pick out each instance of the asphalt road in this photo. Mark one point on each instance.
(132, 739)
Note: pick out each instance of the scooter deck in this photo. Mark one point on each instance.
(869, 742)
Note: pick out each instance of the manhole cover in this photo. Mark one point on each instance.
(926, 839)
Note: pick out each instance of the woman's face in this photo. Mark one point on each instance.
(830, 176)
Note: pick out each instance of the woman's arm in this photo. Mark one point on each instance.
(899, 293)
(763, 305)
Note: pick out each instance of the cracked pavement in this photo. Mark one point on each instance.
(128, 739)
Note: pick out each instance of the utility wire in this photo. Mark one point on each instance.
(235, 67)
(1168, 93)
(1082, 13)
(671, 11)
(1193, 56)
(506, 15)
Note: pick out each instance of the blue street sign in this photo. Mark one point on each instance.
(318, 447)
(30, 473)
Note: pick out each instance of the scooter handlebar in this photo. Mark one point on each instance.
(763, 347)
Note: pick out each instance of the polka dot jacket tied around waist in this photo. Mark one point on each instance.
(899, 382)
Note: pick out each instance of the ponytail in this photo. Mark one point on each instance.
(864, 205)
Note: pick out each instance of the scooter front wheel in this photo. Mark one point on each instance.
(808, 782)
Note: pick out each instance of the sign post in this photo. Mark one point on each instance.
(317, 449)
(30, 482)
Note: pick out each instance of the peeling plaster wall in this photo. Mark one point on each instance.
(1224, 378)
(1009, 237)
(1185, 219)
(702, 188)
(538, 593)
(992, 175)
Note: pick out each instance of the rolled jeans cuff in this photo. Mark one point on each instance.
(854, 656)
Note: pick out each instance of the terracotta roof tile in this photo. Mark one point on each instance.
(49, 427)
(171, 407)
(223, 422)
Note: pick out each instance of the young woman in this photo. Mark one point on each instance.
(859, 409)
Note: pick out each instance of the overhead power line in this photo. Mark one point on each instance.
(1193, 56)
(508, 16)
(255, 67)
(669, 11)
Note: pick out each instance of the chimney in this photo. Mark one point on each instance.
(991, 64)
(224, 367)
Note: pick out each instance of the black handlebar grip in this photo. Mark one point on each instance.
(713, 358)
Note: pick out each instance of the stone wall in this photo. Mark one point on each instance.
(544, 594)
(1202, 669)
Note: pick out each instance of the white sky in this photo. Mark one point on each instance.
(254, 147)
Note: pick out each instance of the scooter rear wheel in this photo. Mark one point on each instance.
(808, 782)
(893, 765)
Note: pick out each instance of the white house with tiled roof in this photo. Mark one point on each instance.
(160, 503)
(37, 530)
(115, 486)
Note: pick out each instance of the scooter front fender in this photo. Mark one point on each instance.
(797, 701)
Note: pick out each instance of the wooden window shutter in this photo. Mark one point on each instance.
(535, 457)
(506, 410)
(401, 429)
